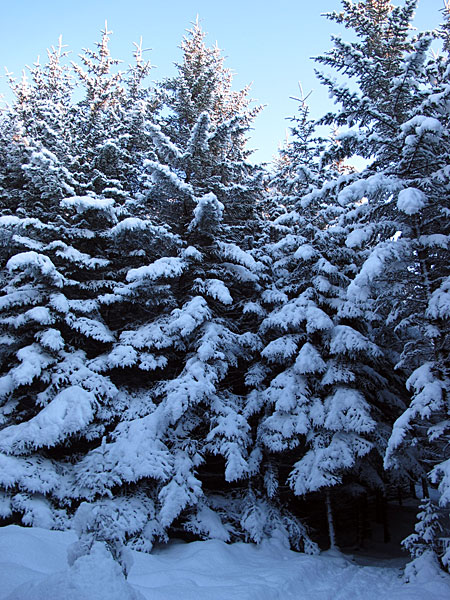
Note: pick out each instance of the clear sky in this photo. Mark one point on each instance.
(267, 43)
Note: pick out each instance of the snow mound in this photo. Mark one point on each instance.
(33, 566)
(96, 576)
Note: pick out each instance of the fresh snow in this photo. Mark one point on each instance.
(162, 267)
(208, 209)
(218, 290)
(13, 221)
(309, 360)
(72, 255)
(411, 201)
(305, 252)
(357, 190)
(33, 566)
(233, 252)
(359, 236)
(39, 261)
(132, 224)
(166, 174)
(423, 125)
(85, 203)
(71, 410)
(439, 303)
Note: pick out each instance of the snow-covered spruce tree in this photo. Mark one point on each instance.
(179, 363)
(424, 545)
(57, 404)
(111, 138)
(60, 251)
(56, 148)
(409, 212)
(200, 99)
(423, 318)
(379, 97)
(445, 27)
(371, 119)
(403, 230)
(97, 114)
(36, 139)
(297, 166)
(183, 448)
(43, 101)
(323, 389)
(53, 404)
(328, 235)
(132, 142)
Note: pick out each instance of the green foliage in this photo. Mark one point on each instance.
(183, 349)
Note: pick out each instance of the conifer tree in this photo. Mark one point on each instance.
(323, 387)
(182, 338)
(339, 224)
(402, 274)
(61, 252)
(297, 166)
(52, 401)
(201, 101)
(36, 139)
(424, 543)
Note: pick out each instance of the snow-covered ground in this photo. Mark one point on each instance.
(33, 566)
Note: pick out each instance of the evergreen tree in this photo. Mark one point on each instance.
(36, 139)
(298, 167)
(61, 251)
(183, 341)
(51, 328)
(168, 360)
(401, 283)
(424, 543)
(373, 111)
(324, 394)
(204, 108)
(186, 334)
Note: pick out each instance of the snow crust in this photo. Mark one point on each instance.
(33, 566)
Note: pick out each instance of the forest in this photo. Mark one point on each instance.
(194, 346)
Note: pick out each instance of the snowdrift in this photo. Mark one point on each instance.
(33, 566)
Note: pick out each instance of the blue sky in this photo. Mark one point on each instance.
(267, 43)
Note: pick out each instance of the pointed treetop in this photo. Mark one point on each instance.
(204, 83)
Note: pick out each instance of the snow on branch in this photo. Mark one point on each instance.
(69, 412)
(167, 266)
(32, 261)
(84, 203)
(166, 175)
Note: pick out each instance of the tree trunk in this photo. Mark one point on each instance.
(381, 515)
(386, 532)
(363, 525)
(331, 532)
(425, 491)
